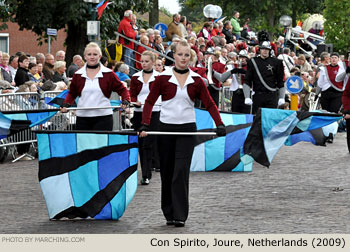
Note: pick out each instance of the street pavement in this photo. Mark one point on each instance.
(305, 190)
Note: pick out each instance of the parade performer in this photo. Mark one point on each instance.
(237, 103)
(345, 76)
(178, 87)
(94, 84)
(331, 89)
(140, 86)
(265, 76)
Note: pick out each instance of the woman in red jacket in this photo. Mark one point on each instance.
(346, 106)
(178, 87)
(94, 84)
(140, 86)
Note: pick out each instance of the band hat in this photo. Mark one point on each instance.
(265, 45)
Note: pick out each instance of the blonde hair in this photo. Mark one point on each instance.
(181, 43)
(150, 54)
(93, 45)
(5, 55)
(58, 64)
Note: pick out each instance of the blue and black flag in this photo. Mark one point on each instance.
(272, 127)
(87, 174)
(221, 153)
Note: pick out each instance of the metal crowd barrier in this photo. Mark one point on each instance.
(18, 102)
(225, 99)
(34, 101)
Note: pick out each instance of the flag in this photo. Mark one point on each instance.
(101, 7)
(87, 174)
(58, 100)
(272, 127)
(35, 117)
(221, 153)
(9, 126)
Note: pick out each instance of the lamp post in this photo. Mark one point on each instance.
(93, 26)
(212, 11)
(286, 22)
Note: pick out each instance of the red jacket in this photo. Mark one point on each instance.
(108, 83)
(346, 97)
(167, 90)
(136, 86)
(125, 28)
(139, 51)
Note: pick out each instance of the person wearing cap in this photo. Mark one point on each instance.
(238, 80)
(265, 77)
(330, 87)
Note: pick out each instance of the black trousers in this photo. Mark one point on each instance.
(95, 123)
(147, 145)
(214, 94)
(237, 103)
(175, 161)
(348, 133)
(331, 100)
(264, 100)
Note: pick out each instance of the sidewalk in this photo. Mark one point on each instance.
(305, 190)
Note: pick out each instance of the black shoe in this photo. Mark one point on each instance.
(178, 223)
(170, 222)
(330, 138)
(144, 181)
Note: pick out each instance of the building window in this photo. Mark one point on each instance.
(4, 42)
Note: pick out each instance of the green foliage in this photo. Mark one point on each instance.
(337, 22)
(165, 11)
(263, 14)
(72, 15)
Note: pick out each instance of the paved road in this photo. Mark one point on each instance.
(305, 190)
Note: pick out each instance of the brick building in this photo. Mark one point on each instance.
(13, 40)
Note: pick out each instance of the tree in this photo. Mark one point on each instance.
(71, 15)
(336, 26)
(154, 13)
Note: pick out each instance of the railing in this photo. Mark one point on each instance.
(33, 101)
(137, 43)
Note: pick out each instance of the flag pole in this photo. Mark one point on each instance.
(164, 133)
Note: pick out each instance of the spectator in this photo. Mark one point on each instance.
(48, 66)
(182, 26)
(206, 30)
(13, 65)
(126, 29)
(74, 66)
(32, 72)
(122, 71)
(189, 30)
(173, 28)
(60, 86)
(304, 65)
(236, 28)
(22, 72)
(60, 55)
(60, 69)
(158, 45)
(39, 74)
(140, 49)
(40, 58)
(150, 35)
(5, 73)
(227, 31)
